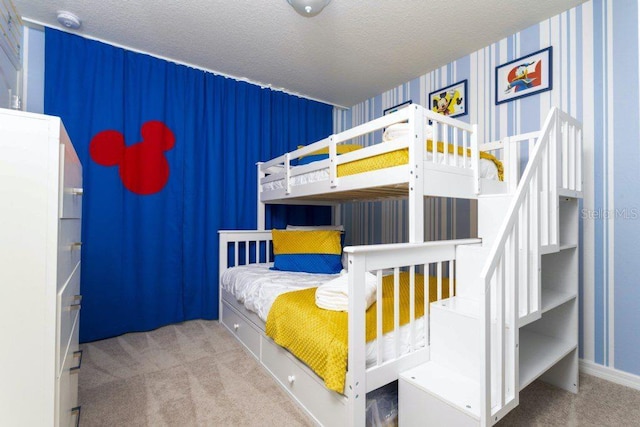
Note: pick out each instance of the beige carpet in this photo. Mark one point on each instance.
(196, 374)
(188, 374)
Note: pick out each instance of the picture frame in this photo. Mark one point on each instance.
(528, 75)
(396, 107)
(451, 100)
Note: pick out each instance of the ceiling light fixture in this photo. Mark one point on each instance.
(308, 8)
(69, 20)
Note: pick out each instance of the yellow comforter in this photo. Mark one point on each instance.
(319, 337)
(401, 157)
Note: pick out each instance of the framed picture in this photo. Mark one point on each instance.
(451, 100)
(396, 107)
(524, 76)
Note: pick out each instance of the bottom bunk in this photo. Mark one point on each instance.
(326, 407)
(369, 363)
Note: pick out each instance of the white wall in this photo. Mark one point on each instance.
(8, 80)
(33, 64)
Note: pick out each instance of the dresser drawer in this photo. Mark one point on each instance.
(67, 382)
(69, 245)
(242, 329)
(69, 300)
(307, 388)
(70, 183)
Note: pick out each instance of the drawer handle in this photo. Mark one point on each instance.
(76, 191)
(77, 355)
(291, 379)
(76, 245)
(236, 326)
(76, 411)
(74, 307)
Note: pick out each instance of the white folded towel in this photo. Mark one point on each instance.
(334, 295)
(401, 129)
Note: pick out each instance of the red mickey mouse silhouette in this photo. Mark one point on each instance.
(143, 167)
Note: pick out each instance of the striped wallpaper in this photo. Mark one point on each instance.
(596, 79)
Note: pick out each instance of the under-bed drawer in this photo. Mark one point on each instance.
(328, 407)
(241, 328)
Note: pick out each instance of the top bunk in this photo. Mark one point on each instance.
(400, 164)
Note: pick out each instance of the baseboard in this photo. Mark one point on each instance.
(610, 374)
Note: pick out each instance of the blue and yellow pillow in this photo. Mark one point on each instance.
(317, 251)
(323, 153)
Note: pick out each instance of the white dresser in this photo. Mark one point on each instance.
(40, 215)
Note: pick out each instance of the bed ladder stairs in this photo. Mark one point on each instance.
(514, 316)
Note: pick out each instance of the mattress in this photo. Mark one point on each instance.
(256, 287)
(488, 168)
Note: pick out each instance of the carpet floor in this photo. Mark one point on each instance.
(195, 374)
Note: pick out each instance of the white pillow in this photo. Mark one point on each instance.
(402, 129)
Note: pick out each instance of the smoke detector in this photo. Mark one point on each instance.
(69, 20)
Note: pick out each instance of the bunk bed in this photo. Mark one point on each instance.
(408, 164)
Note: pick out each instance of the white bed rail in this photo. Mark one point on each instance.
(510, 276)
(239, 247)
(437, 258)
(461, 136)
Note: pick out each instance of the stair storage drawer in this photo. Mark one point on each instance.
(433, 395)
(241, 328)
(304, 385)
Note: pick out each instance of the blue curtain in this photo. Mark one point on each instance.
(169, 157)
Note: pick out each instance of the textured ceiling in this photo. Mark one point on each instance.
(353, 50)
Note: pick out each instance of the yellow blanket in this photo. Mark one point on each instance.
(319, 337)
(401, 157)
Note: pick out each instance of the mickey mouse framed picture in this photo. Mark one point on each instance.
(450, 101)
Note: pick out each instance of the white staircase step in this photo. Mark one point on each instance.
(468, 306)
(471, 260)
(491, 214)
(433, 394)
(455, 335)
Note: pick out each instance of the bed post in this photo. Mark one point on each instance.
(416, 179)
(475, 159)
(260, 205)
(336, 214)
(356, 387)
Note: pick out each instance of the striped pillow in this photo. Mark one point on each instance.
(316, 251)
(323, 153)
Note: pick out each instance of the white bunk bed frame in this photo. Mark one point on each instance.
(554, 168)
(442, 176)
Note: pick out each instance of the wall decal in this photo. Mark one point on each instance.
(143, 167)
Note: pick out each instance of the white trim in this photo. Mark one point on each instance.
(503, 109)
(610, 190)
(610, 374)
(588, 230)
(26, 47)
(545, 97)
(564, 44)
(573, 106)
(36, 24)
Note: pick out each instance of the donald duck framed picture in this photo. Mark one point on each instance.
(524, 76)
